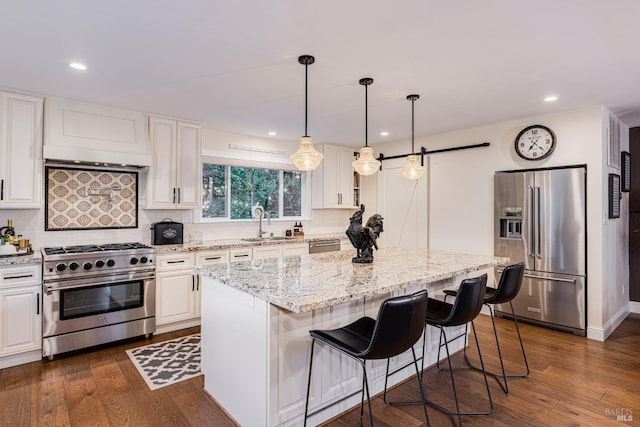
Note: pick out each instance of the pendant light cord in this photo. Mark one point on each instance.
(306, 89)
(366, 116)
(413, 103)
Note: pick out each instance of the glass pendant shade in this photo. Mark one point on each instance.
(412, 169)
(307, 158)
(366, 163)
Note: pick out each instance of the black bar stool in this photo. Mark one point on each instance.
(507, 290)
(399, 325)
(441, 315)
(465, 309)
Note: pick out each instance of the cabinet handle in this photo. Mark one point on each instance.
(241, 256)
(178, 194)
(38, 303)
(339, 198)
(198, 286)
(175, 262)
(193, 283)
(24, 276)
(2, 189)
(174, 195)
(211, 258)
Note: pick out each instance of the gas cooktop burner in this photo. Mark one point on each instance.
(94, 248)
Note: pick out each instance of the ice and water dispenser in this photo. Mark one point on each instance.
(511, 222)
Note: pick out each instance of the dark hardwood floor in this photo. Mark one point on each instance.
(573, 381)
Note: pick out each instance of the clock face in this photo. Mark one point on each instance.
(535, 142)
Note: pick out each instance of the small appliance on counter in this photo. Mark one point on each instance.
(166, 232)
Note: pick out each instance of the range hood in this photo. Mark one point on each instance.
(89, 134)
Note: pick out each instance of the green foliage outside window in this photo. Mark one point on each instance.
(244, 187)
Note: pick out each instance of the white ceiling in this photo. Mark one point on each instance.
(233, 64)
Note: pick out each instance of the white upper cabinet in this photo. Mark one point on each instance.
(21, 151)
(79, 131)
(174, 180)
(332, 181)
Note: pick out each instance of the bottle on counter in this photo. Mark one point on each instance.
(8, 233)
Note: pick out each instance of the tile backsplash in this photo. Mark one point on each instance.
(87, 199)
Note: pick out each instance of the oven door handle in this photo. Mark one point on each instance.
(51, 288)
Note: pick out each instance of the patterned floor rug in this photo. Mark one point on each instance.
(168, 362)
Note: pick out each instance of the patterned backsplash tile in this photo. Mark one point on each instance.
(88, 199)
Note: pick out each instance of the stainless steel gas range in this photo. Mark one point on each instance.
(95, 294)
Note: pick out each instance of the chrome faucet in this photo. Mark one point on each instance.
(258, 212)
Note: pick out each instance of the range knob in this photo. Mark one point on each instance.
(74, 265)
(61, 267)
(100, 263)
(87, 266)
(133, 261)
(144, 259)
(111, 263)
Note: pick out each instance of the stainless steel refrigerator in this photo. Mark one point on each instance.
(540, 219)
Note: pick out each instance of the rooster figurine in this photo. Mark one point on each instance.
(363, 238)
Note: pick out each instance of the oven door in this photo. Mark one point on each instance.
(76, 305)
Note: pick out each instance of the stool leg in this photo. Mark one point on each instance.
(365, 386)
(453, 383)
(484, 372)
(418, 377)
(306, 404)
(503, 385)
(524, 355)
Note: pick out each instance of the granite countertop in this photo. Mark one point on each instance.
(245, 242)
(307, 282)
(19, 259)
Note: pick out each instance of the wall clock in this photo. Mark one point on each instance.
(535, 142)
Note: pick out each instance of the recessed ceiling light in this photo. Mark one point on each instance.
(550, 98)
(272, 133)
(77, 66)
(384, 133)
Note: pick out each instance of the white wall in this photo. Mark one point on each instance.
(460, 196)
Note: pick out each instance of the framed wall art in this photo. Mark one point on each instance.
(625, 165)
(614, 195)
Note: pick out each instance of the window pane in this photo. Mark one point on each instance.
(214, 191)
(291, 188)
(252, 186)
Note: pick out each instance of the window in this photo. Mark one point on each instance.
(229, 192)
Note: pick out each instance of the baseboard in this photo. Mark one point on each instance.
(634, 307)
(602, 333)
(170, 327)
(20, 358)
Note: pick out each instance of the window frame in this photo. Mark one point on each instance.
(305, 189)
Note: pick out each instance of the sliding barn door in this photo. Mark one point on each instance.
(403, 204)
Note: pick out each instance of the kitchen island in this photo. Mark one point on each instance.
(256, 317)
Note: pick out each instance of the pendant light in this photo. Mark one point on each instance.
(412, 169)
(307, 158)
(366, 163)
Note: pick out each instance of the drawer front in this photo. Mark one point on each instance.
(295, 249)
(212, 257)
(175, 261)
(20, 276)
(240, 254)
(267, 252)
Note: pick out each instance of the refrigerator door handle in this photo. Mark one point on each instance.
(533, 276)
(530, 222)
(538, 216)
(553, 279)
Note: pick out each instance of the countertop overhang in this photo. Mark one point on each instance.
(307, 282)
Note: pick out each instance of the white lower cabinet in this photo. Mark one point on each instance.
(20, 315)
(176, 293)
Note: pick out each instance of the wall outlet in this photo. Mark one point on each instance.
(187, 216)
